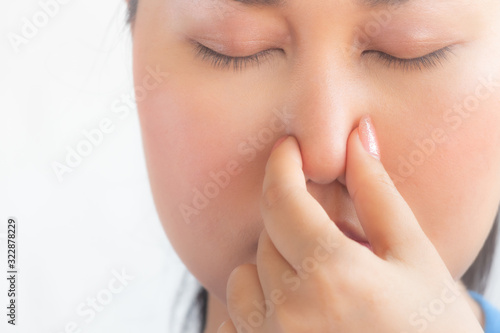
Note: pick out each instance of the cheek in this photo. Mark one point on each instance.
(447, 167)
(206, 159)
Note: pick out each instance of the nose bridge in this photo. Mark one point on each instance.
(326, 106)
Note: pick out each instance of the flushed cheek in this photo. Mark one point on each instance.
(205, 140)
(455, 190)
(206, 163)
(186, 146)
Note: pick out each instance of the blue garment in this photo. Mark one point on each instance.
(491, 314)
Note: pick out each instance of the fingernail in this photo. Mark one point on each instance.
(280, 140)
(368, 136)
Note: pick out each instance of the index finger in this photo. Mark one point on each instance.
(388, 221)
(297, 224)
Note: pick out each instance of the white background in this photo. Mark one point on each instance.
(100, 219)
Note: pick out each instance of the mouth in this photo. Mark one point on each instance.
(354, 236)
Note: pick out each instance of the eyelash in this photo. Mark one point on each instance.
(427, 61)
(221, 61)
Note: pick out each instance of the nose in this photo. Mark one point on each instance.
(327, 104)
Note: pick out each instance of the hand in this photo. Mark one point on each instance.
(310, 277)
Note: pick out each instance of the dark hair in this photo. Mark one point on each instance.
(202, 304)
(476, 277)
(132, 10)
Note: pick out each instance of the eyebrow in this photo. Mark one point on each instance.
(281, 3)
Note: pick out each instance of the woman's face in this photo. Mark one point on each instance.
(313, 69)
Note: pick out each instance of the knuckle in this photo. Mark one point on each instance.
(383, 179)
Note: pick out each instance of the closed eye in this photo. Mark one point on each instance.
(222, 61)
(428, 61)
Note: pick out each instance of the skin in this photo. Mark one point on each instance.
(425, 224)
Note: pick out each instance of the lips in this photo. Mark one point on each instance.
(351, 234)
